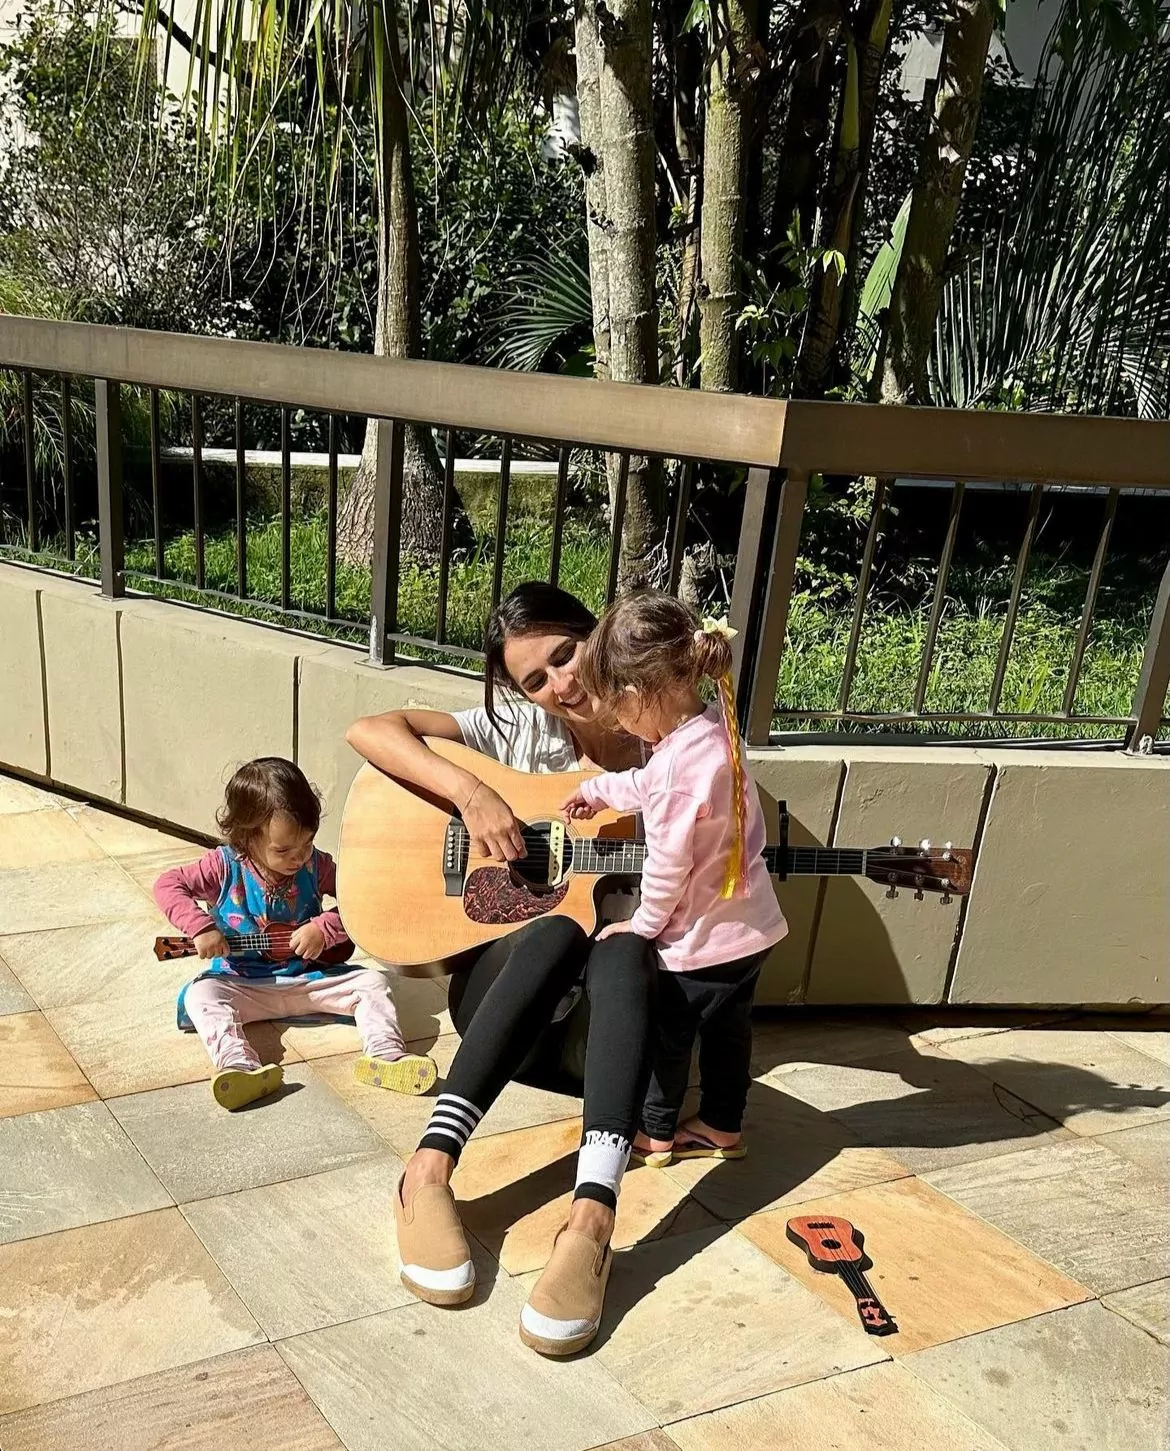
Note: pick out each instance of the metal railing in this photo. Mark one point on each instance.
(782, 446)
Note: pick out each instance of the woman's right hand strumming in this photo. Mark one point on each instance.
(494, 831)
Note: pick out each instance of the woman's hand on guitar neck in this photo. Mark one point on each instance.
(494, 831)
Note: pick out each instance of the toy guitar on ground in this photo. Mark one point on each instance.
(272, 944)
(413, 893)
(833, 1246)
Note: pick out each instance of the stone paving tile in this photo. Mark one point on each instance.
(36, 1070)
(145, 868)
(13, 998)
(700, 1321)
(1082, 1379)
(1148, 1307)
(19, 796)
(1153, 1042)
(212, 1405)
(942, 1025)
(95, 962)
(925, 1108)
(515, 1191)
(122, 836)
(799, 1038)
(94, 1306)
(401, 1120)
(40, 839)
(378, 1382)
(35, 899)
(656, 1440)
(1147, 1145)
(199, 1150)
(1098, 1217)
(794, 1153)
(309, 1252)
(1087, 1080)
(877, 1408)
(70, 1167)
(939, 1271)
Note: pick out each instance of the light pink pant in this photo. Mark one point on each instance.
(220, 1006)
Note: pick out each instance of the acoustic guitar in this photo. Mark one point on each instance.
(413, 893)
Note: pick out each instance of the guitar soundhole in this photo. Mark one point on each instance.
(831, 1243)
(492, 895)
(537, 868)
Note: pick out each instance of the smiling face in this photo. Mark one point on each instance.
(545, 669)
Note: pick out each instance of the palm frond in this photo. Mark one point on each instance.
(547, 305)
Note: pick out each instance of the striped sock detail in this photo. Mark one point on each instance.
(452, 1123)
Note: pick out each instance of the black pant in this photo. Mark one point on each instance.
(503, 1007)
(714, 1004)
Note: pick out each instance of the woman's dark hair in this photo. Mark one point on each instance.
(533, 608)
(258, 791)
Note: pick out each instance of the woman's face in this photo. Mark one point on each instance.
(545, 669)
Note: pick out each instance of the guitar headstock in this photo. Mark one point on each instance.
(945, 869)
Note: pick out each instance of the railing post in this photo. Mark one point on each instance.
(387, 541)
(111, 541)
(1149, 700)
(761, 598)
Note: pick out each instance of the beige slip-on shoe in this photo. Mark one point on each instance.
(434, 1261)
(563, 1312)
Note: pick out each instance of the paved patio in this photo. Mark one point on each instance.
(172, 1276)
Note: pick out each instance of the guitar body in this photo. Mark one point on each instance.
(390, 885)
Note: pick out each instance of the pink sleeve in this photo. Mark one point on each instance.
(670, 818)
(620, 789)
(179, 891)
(329, 922)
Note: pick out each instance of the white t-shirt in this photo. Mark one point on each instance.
(532, 740)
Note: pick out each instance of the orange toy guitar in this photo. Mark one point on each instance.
(833, 1246)
(413, 892)
(272, 944)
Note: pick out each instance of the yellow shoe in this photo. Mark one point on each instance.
(412, 1074)
(235, 1087)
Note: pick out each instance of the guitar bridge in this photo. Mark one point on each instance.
(556, 853)
(455, 848)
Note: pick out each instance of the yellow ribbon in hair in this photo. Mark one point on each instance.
(735, 874)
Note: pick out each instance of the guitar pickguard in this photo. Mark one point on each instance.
(491, 895)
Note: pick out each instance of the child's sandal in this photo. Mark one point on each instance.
(413, 1073)
(695, 1146)
(235, 1088)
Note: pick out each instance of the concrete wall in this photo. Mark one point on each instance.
(150, 706)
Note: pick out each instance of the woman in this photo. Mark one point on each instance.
(509, 1005)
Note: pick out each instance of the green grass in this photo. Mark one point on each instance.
(811, 668)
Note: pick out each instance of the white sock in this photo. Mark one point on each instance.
(602, 1159)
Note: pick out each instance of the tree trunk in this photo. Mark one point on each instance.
(806, 122)
(843, 205)
(875, 26)
(397, 334)
(687, 88)
(625, 38)
(590, 158)
(934, 203)
(729, 115)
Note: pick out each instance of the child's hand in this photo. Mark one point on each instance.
(211, 943)
(613, 929)
(308, 941)
(576, 808)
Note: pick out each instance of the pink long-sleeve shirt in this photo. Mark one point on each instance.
(684, 794)
(180, 890)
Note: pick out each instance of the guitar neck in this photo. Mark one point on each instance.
(600, 857)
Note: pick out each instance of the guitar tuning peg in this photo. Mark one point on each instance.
(946, 896)
(892, 892)
(946, 856)
(895, 841)
(918, 880)
(924, 844)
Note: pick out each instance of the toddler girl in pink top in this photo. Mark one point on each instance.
(707, 899)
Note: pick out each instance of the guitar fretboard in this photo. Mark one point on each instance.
(622, 858)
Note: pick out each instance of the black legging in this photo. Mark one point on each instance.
(503, 1007)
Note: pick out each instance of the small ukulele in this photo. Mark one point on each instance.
(835, 1247)
(272, 944)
